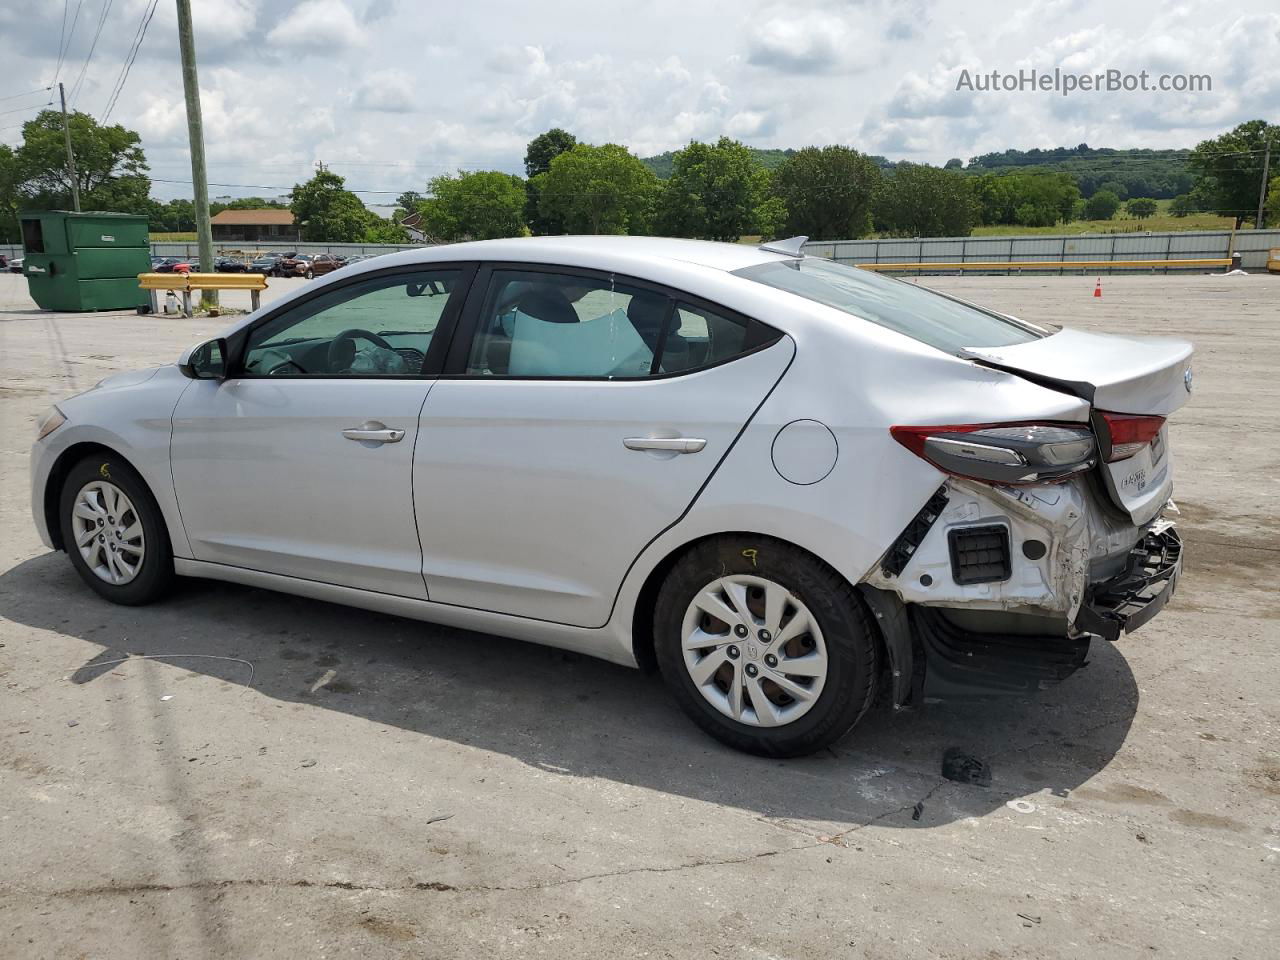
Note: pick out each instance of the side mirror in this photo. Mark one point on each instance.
(207, 361)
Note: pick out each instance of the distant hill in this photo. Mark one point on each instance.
(1142, 173)
(1138, 173)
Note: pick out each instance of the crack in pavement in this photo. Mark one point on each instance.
(112, 889)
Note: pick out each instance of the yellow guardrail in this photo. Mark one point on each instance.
(1009, 265)
(184, 283)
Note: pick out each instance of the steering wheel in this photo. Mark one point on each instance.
(342, 348)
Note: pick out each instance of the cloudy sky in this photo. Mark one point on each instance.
(392, 92)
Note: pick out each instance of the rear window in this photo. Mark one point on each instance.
(909, 309)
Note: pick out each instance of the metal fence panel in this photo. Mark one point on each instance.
(1253, 245)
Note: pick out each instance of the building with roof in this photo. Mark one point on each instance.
(254, 225)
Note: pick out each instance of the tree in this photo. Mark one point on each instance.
(1141, 207)
(955, 163)
(1228, 169)
(384, 231)
(1271, 212)
(10, 232)
(602, 189)
(1183, 205)
(538, 155)
(1101, 206)
(111, 169)
(409, 201)
(477, 205)
(827, 192)
(327, 211)
(714, 192)
(1031, 198)
(923, 201)
(1114, 186)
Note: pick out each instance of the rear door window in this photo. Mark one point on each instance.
(545, 324)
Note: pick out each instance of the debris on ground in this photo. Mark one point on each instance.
(1021, 806)
(1030, 919)
(437, 819)
(965, 768)
(919, 809)
(308, 763)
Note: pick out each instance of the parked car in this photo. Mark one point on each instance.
(295, 265)
(268, 264)
(767, 474)
(15, 265)
(323, 263)
(229, 265)
(169, 265)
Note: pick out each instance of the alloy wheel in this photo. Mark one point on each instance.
(108, 532)
(754, 651)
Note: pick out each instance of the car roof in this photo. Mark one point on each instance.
(586, 250)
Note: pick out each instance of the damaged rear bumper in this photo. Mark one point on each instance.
(934, 653)
(1127, 601)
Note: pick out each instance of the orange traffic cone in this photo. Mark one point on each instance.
(1097, 291)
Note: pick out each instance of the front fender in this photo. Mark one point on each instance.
(129, 415)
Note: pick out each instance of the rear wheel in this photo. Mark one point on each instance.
(113, 531)
(765, 647)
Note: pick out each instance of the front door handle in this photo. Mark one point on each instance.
(669, 444)
(371, 431)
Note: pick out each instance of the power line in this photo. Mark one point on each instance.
(62, 36)
(63, 48)
(263, 186)
(15, 96)
(36, 106)
(138, 37)
(77, 86)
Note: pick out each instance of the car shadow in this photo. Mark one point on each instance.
(579, 716)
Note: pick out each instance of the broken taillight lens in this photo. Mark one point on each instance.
(1003, 452)
(1129, 433)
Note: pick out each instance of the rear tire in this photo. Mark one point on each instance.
(105, 504)
(805, 644)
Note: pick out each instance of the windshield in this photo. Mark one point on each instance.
(909, 309)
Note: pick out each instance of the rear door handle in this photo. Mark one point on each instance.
(669, 444)
(371, 431)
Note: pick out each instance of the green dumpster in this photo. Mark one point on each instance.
(85, 261)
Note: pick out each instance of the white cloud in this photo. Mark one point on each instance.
(321, 26)
(391, 93)
(388, 91)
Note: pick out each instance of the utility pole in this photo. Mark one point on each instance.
(195, 132)
(71, 157)
(1262, 191)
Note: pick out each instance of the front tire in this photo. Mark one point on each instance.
(765, 647)
(113, 531)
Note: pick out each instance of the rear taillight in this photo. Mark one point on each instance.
(1003, 452)
(1129, 434)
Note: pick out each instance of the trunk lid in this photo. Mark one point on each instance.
(1144, 375)
(1120, 374)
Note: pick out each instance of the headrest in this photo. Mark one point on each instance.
(547, 304)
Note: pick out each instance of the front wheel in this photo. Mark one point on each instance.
(113, 531)
(310, 275)
(765, 647)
